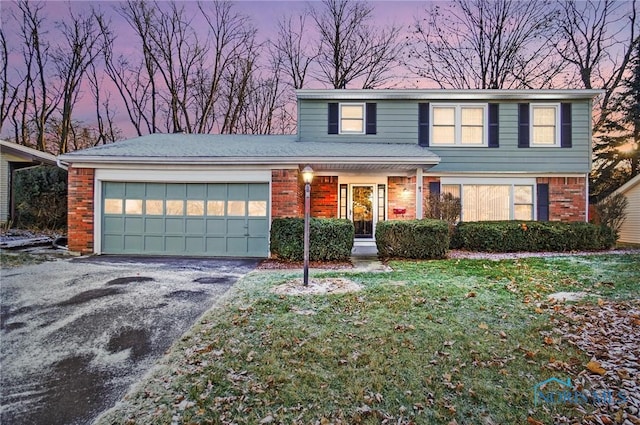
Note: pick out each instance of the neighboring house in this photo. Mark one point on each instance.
(630, 229)
(14, 157)
(377, 155)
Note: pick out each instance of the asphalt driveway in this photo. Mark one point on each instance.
(75, 334)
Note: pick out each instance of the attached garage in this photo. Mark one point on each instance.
(207, 219)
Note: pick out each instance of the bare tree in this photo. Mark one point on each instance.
(223, 80)
(78, 50)
(8, 91)
(293, 48)
(40, 96)
(483, 44)
(597, 38)
(351, 50)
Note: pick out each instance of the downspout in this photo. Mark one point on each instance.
(586, 197)
(419, 193)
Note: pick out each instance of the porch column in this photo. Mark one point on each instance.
(419, 193)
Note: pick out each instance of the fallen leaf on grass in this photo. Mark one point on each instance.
(595, 367)
(483, 326)
(470, 295)
(532, 421)
(548, 340)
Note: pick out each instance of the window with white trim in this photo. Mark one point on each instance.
(484, 202)
(352, 118)
(464, 125)
(545, 124)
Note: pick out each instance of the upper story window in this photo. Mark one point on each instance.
(464, 125)
(545, 124)
(352, 117)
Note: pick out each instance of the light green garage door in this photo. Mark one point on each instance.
(216, 219)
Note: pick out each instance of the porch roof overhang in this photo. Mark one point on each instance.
(221, 150)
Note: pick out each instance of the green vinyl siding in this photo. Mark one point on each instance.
(215, 219)
(397, 122)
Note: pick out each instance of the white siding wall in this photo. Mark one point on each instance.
(4, 188)
(630, 230)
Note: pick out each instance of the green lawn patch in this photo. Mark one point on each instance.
(430, 343)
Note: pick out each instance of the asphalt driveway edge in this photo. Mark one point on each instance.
(162, 367)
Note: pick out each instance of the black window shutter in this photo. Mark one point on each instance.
(523, 125)
(371, 118)
(423, 125)
(494, 141)
(333, 118)
(434, 189)
(565, 125)
(542, 195)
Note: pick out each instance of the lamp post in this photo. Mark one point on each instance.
(307, 177)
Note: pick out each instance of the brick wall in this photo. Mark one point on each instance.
(567, 198)
(425, 190)
(80, 210)
(401, 193)
(287, 197)
(324, 197)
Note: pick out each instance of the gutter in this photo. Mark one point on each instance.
(446, 94)
(60, 164)
(64, 162)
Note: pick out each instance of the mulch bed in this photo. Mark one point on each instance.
(275, 264)
(609, 332)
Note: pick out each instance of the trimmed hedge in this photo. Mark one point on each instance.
(330, 239)
(421, 239)
(532, 236)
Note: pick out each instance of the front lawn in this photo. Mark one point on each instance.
(433, 342)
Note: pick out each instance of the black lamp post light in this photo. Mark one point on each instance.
(307, 177)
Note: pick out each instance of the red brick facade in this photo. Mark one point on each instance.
(287, 197)
(401, 195)
(324, 197)
(567, 198)
(80, 210)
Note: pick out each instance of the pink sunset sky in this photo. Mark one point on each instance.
(263, 13)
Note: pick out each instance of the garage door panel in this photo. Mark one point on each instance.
(258, 191)
(133, 225)
(216, 226)
(237, 246)
(177, 190)
(174, 244)
(258, 226)
(113, 225)
(154, 243)
(194, 245)
(196, 191)
(195, 226)
(156, 190)
(114, 190)
(174, 225)
(133, 243)
(185, 218)
(237, 191)
(216, 244)
(112, 243)
(236, 226)
(154, 225)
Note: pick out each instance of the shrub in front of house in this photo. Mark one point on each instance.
(41, 197)
(331, 239)
(419, 239)
(532, 236)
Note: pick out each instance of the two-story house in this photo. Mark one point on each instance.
(376, 155)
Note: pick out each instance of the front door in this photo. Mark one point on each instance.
(362, 207)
